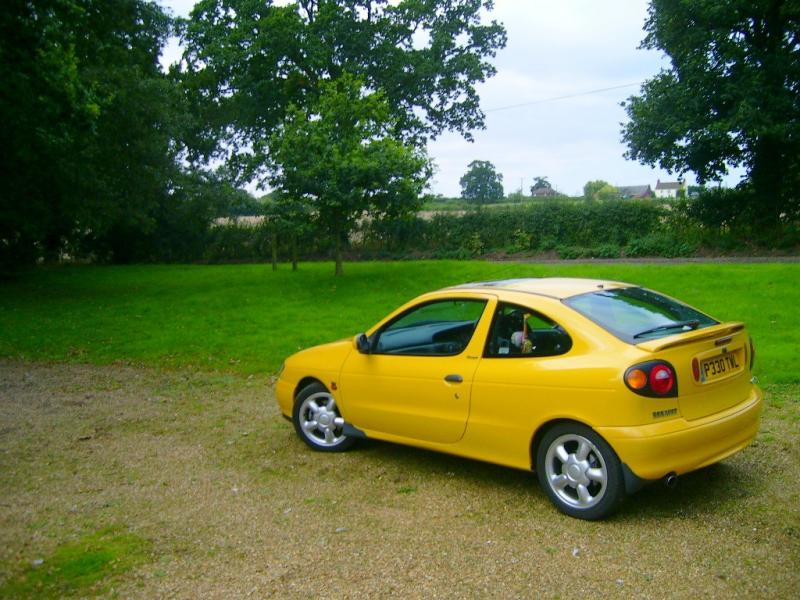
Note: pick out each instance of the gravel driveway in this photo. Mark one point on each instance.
(233, 505)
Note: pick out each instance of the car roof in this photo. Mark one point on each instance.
(553, 287)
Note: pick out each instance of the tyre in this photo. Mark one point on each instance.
(317, 420)
(580, 472)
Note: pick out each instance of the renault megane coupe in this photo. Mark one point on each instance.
(597, 386)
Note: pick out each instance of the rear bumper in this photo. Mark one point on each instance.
(680, 446)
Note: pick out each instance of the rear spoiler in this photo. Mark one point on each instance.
(689, 337)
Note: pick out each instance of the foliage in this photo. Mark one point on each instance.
(481, 183)
(339, 157)
(240, 203)
(90, 123)
(247, 62)
(660, 244)
(729, 98)
(521, 241)
(715, 219)
(540, 183)
(544, 225)
(599, 190)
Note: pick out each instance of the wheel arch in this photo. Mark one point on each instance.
(540, 432)
(633, 482)
(306, 381)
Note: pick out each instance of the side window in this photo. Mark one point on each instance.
(440, 328)
(518, 331)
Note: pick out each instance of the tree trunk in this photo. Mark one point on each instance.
(771, 152)
(338, 245)
(274, 251)
(294, 251)
(769, 179)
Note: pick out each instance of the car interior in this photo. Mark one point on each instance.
(518, 331)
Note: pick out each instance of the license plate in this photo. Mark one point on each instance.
(720, 366)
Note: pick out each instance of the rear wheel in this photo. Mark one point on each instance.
(579, 471)
(317, 420)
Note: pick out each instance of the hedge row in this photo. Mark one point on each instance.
(572, 229)
(566, 228)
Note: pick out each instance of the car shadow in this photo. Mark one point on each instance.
(420, 462)
(696, 494)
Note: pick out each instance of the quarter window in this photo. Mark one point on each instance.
(518, 332)
(440, 328)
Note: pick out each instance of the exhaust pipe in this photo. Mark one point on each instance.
(671, 480)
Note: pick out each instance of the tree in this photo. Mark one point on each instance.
(540, 183)
(599, 190)
(341, 158)
(287, 218)
(481, 183)
(90, 124)
(729, 98)
(246, 62)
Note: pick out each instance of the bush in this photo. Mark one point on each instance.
(606, 251)
(658, 244)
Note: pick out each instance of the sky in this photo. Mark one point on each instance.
(540, 120)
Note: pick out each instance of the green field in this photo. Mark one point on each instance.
(247, 318)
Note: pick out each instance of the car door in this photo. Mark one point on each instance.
(416, 380)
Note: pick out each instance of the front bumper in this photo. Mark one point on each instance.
(680, 446)
(284, 394)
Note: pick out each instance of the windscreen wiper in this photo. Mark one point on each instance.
(691, 324)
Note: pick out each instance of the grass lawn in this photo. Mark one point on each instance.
(247, 319)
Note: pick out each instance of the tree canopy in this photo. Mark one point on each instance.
(599, 190)
(731, 96)
(90, 126)
(541, 183)
(481, 183)
(246, 62)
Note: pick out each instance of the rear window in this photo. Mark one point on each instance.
(636, 315)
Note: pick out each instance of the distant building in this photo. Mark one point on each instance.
(635, 191)
(544, 192)
(669, 189)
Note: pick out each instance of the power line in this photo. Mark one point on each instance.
(554, 98)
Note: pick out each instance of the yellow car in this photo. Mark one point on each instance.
(598, 386)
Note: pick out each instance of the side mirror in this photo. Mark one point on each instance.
(361, 342)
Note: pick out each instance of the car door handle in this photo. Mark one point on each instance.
(453, 378)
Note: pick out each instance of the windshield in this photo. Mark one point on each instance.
(636, 314)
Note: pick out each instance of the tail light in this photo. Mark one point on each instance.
(654, 379)
(752, 354)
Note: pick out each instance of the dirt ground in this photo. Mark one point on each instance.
(234, 505)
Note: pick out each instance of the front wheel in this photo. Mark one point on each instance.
(317, 420)
(580, 472)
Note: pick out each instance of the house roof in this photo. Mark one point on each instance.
(539, 192)
(634, 190)
(669, 185)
